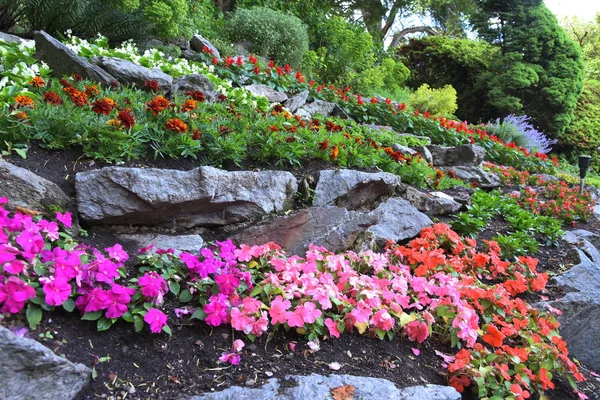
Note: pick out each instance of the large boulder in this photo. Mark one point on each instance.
(398, 220)
(63, 61)
(8, 38)
(434, 203)
(25, 189)
(272, 95)
(198, 42)
(195, 82)
(179, 243)
(297, 101)
(130, 73)
(337, 229)
(465, 155)
(580, 319)
(204, 196)
(319, 387)
(352, 189)
(31, 371)
(321, 107)
(475, 175)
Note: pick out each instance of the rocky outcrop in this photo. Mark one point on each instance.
(335, 228)
(272, 95)
(8, 38)
(434, 203)
(466, 155)
(195, 82)
(63, 61)
(297, 101)
(198, 42)
(31, 371)
(205, 196)
(179, 243)
(319, 387)
(352, 189)
(321, 107)
(129, 73)
(25, 189)
(473, 174)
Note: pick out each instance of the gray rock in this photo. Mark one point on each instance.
(403, 149)
(272, 95)
(352, 189)
(434, 203)
(398, 220)
(129, 73)
(549, 178)
(198, 42)
(63, 61)
(337, 229)
(191, 55)
(204, 196)
(8, 38)
(465, 155)
(324, 108)
(424, 151)
(475, 174)
(319, 387)
(25, 189)
(297, 101)
(195, 82)
(586, 241)
(29, 370)
(580, 319)
(179, 243)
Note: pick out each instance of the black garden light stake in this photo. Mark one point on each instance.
(584, 164)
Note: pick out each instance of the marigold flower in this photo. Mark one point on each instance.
(324, 145)
(92, 90)
(196, 95)
(158, 104)
(197, 134)
(77, 77)
(37, 81)
(189, 105)
(53, 98)
(103, 106)
(21, 115)
(273, 128)
(126, 118)
(152, 85)
(335, 152)
(24, 101)
(175, 124)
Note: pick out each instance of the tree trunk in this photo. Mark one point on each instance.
(398, 36)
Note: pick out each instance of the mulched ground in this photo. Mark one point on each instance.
(146, 366)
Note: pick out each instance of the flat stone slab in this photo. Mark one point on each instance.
(319, 387)
(179, 243)
(204, 196)
(29, 370)
(472, 174)
(398, 220)
(272, 95)
(130, 73)
(465, 155)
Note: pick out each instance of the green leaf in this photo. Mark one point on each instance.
(128, 316)
(138, 323)
(104, 324)
(174, 287)
(34, 316)
(256, 291)
(198, 314)
(91, 316)
(185, 296)
(167, 330)
(69, 305)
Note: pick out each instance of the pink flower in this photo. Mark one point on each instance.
(107, 271)
(240, 321)
(153, 285)
(156, 319)
(14, 293)
(32, 243)
(117, 300)
(383, 320)
(14, 267)
(417, 330)
(92, 301)
(65, 219)
(57, 291)
(227, 283)
(216, 310)
(294, 320)
(238, 345)
(309, 312)
(231, 358)
(50, 229)
(260, 325)
(361, 313)
(117, 253)
(278, 310)
(333, 327)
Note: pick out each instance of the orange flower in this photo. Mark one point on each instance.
(189, 105)
(103, 106)
(196, 135)
(273, 128)
(53, 98)
(324, 145)
(158, 104)
(21, 115)
(113, 122)
(177, 125)
(37, 81)
(92, 90)
(24, 101)
(493, 337)
(126, 118)
(335, 152)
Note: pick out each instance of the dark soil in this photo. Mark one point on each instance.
(147, 366)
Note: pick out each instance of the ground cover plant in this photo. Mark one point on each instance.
(439, 284)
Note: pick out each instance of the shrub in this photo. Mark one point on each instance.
(520, 131)
(273, 34)
(435, 101)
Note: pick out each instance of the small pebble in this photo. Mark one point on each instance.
(250, 382)
(268, 373)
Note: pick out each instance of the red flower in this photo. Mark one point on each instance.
(374, 100)
(459, 383)
(53, 98)
(271, 64)
(239, 61)
(152, 85)
(215, 61)
(103, 106)
(92, 90)
(126, 118)
(175, 124)
(279, 71)
(253, 60)
(287, 68)
(196, 95)
(197, 134)
(324, 145)
(493, 337)
(158, 104)
(77, 77)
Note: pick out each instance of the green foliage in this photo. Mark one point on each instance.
(441, 60)
(587, 35)
(583, 134)
(440, 102)
(273, 34)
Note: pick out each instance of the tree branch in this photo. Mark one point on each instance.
(398, 36)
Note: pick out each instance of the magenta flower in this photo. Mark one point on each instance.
(50, 229)
(231, 358)
(117, 253)
(65, 219)
(117, 300)
(107, 271)
(14, 267)
(153, 285)
(32, 243)
(216, 310)
(57, 291)
(156, 319)
(278, 310)
(227, 283)
(14, 293)
(92, 301)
